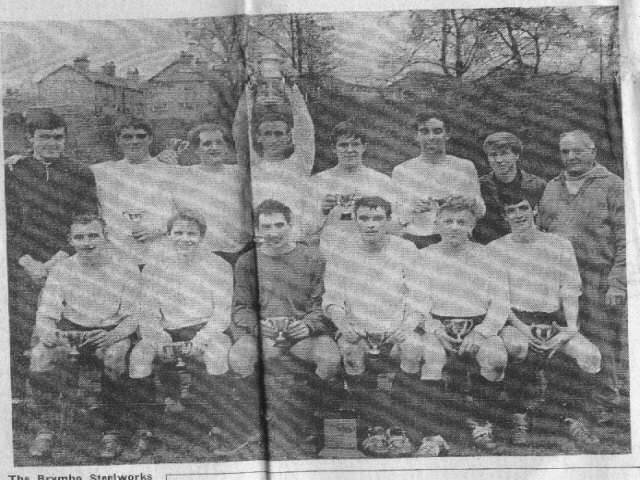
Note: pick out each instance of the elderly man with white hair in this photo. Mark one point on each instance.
(585, 204)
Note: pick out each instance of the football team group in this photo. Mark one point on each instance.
(463, 288)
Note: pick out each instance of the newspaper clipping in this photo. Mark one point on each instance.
(317, 240)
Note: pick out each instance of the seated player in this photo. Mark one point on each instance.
(375, 295)
(87, 308)
(469, 299)
(375, 289)
(278, 297)
(544, 284)
(185, 311)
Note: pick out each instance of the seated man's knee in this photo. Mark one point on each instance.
(114, 356)
(352, 357)
(326, 356)
(492, 359)
(215, 355)
(141, 359)
(411, 353)
(586, 354)
(213, 350)
(515, 342)
(243, 355)
(435, 358)
(43, 358)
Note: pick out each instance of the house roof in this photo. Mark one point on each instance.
(199, 69)
(97, 77)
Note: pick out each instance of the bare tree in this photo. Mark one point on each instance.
(223, 42)
(527, 35)
(303, 39)
(603, 39)
(448, 39)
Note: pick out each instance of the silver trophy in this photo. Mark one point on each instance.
(75, 339)
(458, 328)
(270, 81)
(542, 332)
(345, 202)
(281, 326)
(376, 342)
(178, 351)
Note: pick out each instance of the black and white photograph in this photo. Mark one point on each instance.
(394, 234)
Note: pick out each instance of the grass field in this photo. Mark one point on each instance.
(294, 433)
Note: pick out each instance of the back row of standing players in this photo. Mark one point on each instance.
(375, 280)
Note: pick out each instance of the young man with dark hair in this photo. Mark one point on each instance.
(421, 183)
(43, 192)
(375, 289)
(503, 149)
(89, 302)
(585, 204)
(336, 189)
(217, 190)
(544, 286)
(133, 191)
(278, 302)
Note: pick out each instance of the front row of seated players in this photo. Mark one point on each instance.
(96, 305)
(484, 305)
(454, 298)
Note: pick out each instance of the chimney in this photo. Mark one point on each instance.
(185, 58)
(133, 75)
(81, 63)
(109, 69)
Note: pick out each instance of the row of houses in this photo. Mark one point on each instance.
(183, 89)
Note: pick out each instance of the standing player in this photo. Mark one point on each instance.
(337, 188)
(469, 298)
(585, 204)
(134, 192)
(91, 294)
(278, 137)
(507, 178)
(421, 183)
(216, 189)
(43, 192)
(544, 286)
(187, 298)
